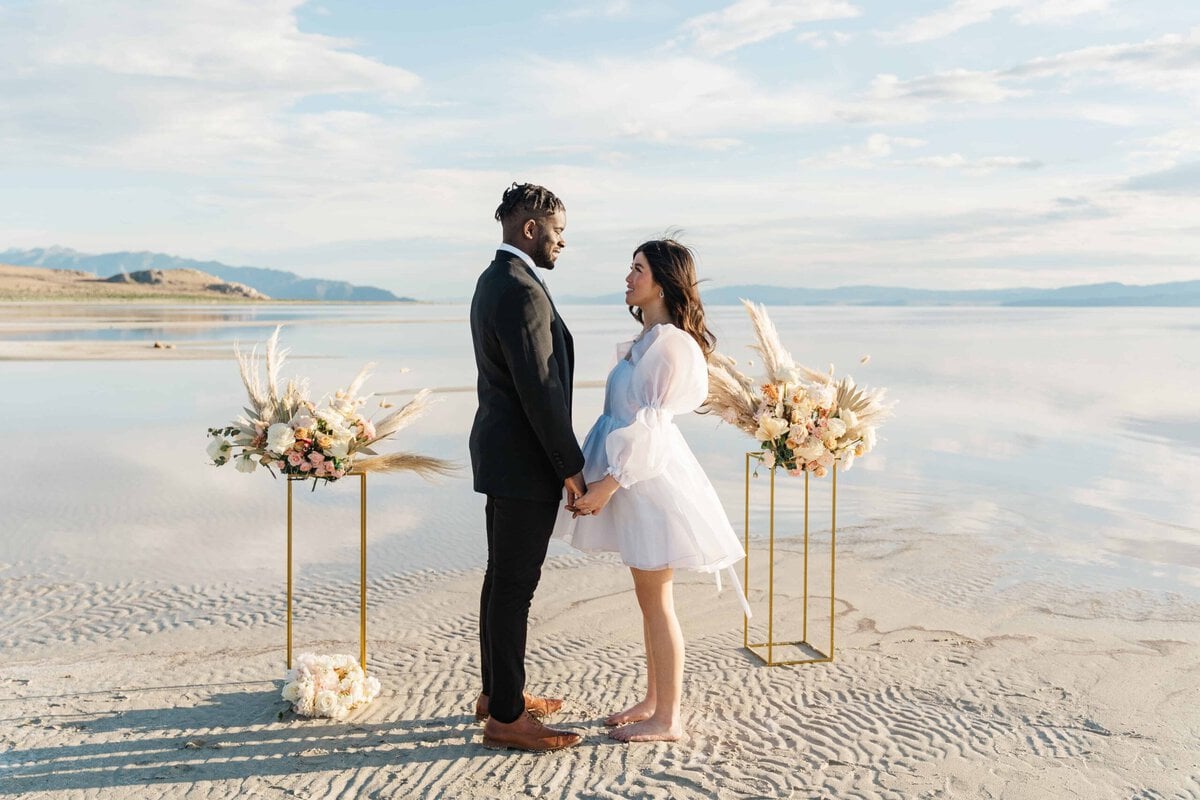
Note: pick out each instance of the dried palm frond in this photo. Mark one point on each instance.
(867, 404)
(425, 466)
(403, 416)
(776, 358)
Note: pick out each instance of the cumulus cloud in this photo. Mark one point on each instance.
(1168, 148)
(964, 13)
(749, 21)
(184, 87)
(1169, 63)
(877, 147)
(680, 100)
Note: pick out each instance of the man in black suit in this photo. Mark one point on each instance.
(523, 453)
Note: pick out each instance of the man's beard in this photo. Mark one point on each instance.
(543, 256)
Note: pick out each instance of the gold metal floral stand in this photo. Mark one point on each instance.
(362, 601)
(771, 645)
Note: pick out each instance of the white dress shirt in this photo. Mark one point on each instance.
(508, 248)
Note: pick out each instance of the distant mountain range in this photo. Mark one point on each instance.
(1180, 293)
(275, 283)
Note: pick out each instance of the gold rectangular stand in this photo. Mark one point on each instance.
(770, 644)
(362, 602)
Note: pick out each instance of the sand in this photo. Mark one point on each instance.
(144, 690)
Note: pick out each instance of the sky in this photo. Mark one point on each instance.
(941, 144)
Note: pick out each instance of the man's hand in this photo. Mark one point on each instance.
(596, 498)
(576, 487)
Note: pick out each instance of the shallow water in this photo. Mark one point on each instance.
(1066, 441)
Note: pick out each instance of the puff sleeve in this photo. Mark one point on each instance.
(670, 378)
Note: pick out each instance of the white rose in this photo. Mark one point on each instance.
(218, 449)
(340, 448)
(245, 464)
(291, 692)
(280, 437)
(849, 418)
(303, 419)
(822, 395)
(769, 459)
(835, 427)
(326, 703)
(810, 449)
(770, 429)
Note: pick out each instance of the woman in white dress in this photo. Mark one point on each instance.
(647, 497)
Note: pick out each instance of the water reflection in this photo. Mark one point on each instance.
(1065, 441)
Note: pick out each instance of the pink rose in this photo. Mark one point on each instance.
(795, 472)
(315, 457)
(305, 466)
(295, 459)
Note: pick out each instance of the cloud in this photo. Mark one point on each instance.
(822, 39)
(877, 147)
(1169, 63)
(954, 86)
(614, 9)
(678, 100)
(976, 165)
(749, 21)
(1168, 148)
(204, 86)
(1183, 179)
(964, 13)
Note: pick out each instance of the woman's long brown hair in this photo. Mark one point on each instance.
(674, 269)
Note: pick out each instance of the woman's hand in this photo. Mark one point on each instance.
(597, 497)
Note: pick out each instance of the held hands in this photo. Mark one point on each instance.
(596, 498)
(576, 486)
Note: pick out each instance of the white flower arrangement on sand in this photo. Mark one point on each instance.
(328, 686)
(804, 420)
(285, 431)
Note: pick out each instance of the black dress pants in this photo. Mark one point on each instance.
(518, 533)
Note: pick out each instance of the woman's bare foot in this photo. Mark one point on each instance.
(650, 730)
(635, 713)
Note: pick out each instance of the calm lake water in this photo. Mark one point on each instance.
(1066, 441)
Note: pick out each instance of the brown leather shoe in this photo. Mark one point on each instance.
(526, 733)
(538, 707)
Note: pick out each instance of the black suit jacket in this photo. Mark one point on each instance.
(522, 442)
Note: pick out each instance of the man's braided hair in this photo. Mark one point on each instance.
(529, 201)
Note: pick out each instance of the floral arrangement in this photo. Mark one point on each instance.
(282, 429)
(328, 686)
(804, 420)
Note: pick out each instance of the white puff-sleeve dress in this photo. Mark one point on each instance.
(666, 513)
